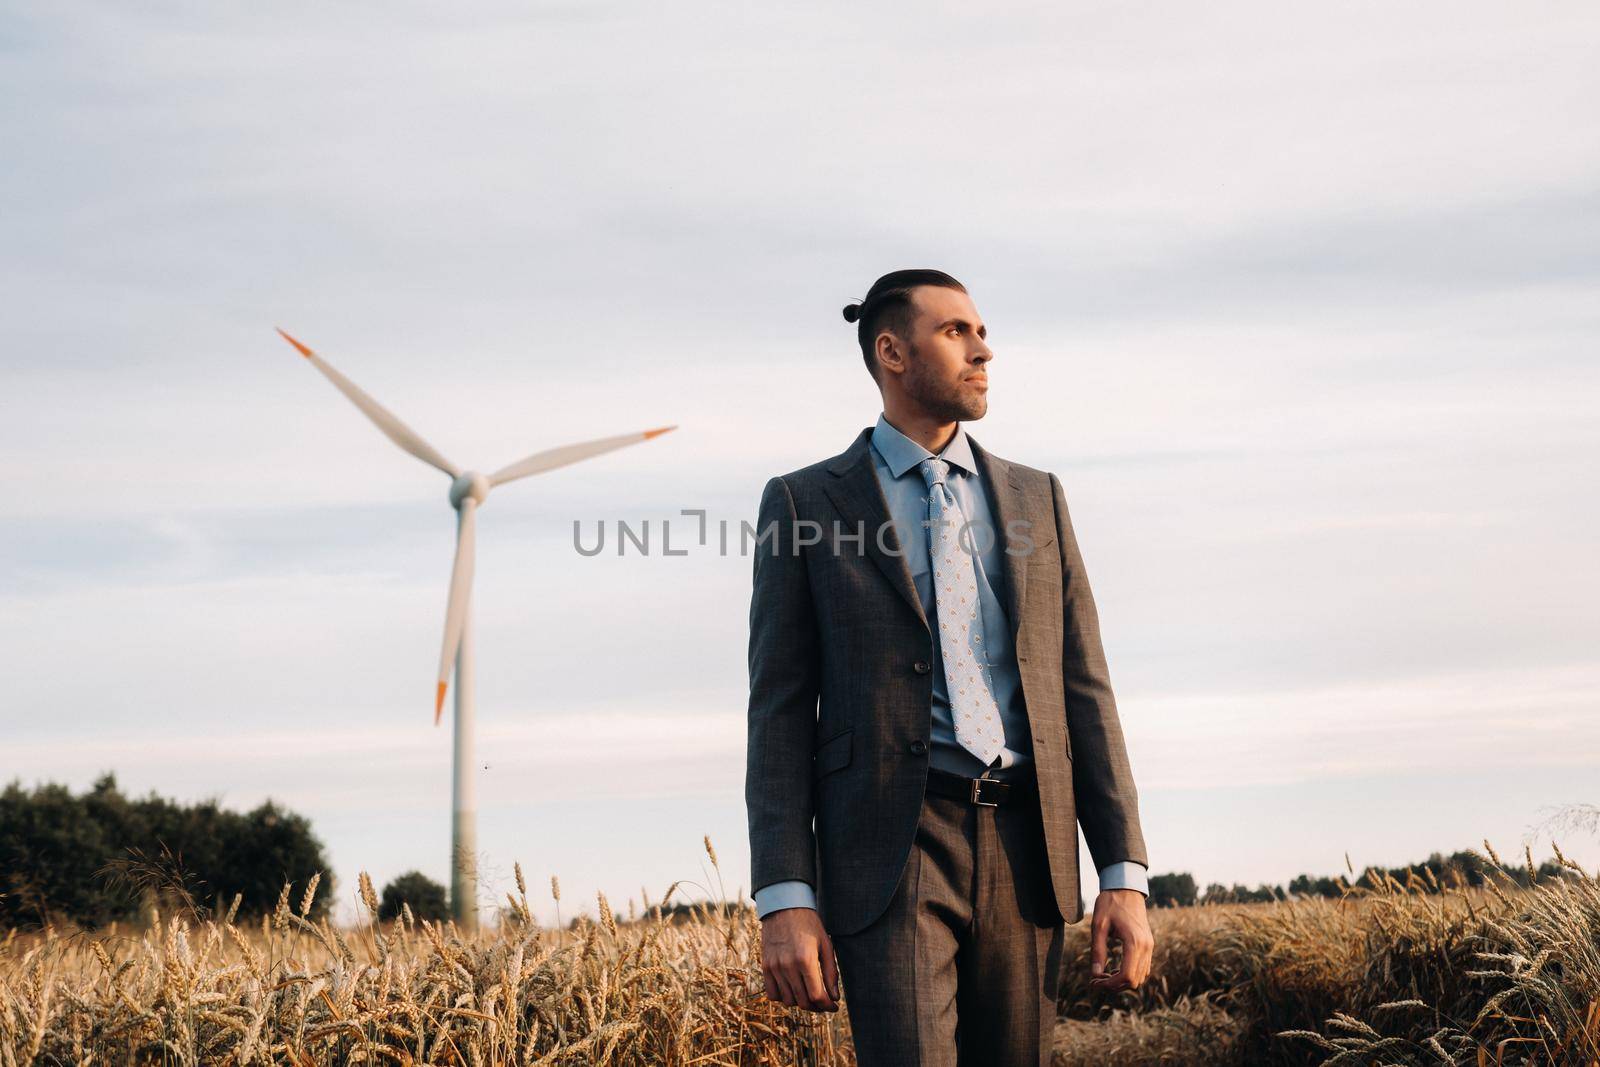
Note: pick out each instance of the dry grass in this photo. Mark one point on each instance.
(1449, 979)
(1391, 974)
(1414, 973)
(292, 991)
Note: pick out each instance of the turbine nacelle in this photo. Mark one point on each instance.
(469, 484)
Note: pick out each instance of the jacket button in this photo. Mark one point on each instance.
(921, 666)
(919, 747)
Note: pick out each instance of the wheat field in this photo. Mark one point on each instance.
(1392, 973)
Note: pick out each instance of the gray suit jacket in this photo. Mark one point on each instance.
(840, 693)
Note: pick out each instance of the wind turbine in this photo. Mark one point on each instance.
(468, 490)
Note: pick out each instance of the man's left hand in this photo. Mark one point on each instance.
(1120, 914)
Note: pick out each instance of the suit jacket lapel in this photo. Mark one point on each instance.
(1010, 504)
(858, 497)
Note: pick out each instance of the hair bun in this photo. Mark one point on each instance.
(852, 312)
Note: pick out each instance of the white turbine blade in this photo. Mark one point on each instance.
(552, 458)
(455, 615)
(382, 417)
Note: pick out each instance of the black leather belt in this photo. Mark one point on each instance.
(984, 792)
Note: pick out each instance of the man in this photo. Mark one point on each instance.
(930, 718)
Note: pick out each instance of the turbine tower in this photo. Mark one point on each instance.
(468, 490)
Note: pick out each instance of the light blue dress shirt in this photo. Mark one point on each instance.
(895, 459)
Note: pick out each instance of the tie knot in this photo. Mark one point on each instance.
(934, 471)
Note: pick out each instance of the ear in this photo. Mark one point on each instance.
(890, 352)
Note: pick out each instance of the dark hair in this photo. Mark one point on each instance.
(887, 306)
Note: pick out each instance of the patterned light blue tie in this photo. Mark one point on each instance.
(955, 583)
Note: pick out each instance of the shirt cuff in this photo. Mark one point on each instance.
(779, 895)
(1126, 874)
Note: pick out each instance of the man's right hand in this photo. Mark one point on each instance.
(797, 960)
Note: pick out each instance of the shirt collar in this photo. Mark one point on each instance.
(901, 453)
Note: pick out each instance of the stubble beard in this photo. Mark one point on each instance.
(942, 400)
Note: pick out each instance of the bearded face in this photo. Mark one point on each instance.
(944, 386)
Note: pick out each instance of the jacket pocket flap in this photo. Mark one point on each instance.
(833, 753)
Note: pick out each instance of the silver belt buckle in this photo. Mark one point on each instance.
(977, 793)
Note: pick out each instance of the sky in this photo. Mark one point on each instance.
(1299, 303)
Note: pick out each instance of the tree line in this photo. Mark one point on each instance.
(101, 856)
(1430, 875)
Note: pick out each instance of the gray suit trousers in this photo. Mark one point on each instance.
(964, 966)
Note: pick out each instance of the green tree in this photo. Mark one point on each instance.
(1216, 893)
(50, 852)
(1171, 890)
(426, 897)
(1304, 885)
(102, 856)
